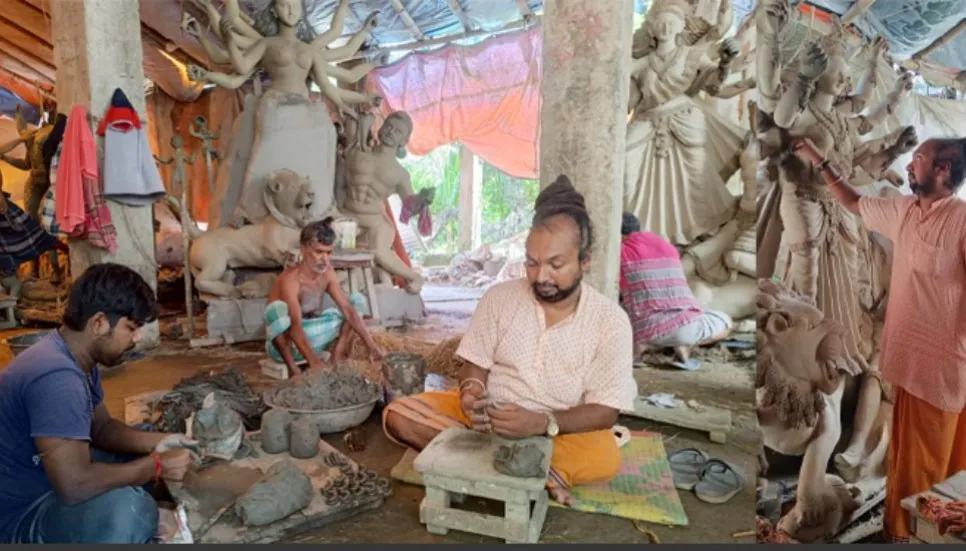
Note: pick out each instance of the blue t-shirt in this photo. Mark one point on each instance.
(43, 393)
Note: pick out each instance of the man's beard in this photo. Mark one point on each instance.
(550, 293)
(924, 188)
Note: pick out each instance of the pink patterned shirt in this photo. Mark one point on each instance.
(654, 289)
(924, 339)
(584, 359)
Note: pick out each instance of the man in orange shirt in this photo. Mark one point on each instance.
(545, 355)
(924, 340)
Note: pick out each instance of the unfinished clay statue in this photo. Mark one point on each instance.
(276, 430)
(801, 377)
(33, 140)
(325, 390)
(371, 177)
(282, 128)
(179, 159)
(837, 500)
(519, 460)
(214, 253)
(284, 490)
(304, 438)
(218, 429)
(674, 178)
(820, 241)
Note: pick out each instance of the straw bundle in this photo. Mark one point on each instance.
(440, 358)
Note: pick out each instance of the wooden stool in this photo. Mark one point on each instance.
(460, 461)
(8, 318)
(360, 262)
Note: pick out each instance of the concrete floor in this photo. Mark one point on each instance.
(397, 521)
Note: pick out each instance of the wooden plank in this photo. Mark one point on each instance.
(25, 41)
(457, 10)
(28, 18)
(713, 420)
(524, 8)
(33, 62)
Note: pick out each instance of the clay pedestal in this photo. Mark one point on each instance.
(460, 461)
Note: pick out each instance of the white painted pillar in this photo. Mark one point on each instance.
(583, 119)
(471, 200)
(97, 48)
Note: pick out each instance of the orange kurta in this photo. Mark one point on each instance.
(923, 345)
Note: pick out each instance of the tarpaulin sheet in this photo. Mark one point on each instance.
(911, 25)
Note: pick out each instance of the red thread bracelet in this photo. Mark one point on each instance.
(157, 467)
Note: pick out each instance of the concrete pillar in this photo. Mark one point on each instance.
(97, 48)
(583, 119)
(471, 200)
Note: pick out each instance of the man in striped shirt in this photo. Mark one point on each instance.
(656, 296)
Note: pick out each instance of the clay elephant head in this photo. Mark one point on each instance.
(289, 197)
(799, 353)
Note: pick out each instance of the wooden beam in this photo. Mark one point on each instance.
(375, 52)
(943, 40)
(454, 5)
(22, 70)
(408, 20)
(12, 50)
(25, 41)
(856, 11)
(29, 19)
(524, 8)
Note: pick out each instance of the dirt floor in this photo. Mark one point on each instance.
(720, 383)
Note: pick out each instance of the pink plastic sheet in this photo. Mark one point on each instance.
(485, 96)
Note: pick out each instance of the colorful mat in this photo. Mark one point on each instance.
(643, 490)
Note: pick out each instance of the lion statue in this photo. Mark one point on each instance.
(266, 244)
(799, 384)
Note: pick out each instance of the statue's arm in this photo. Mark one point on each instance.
(321, 78)
(335, 28)
(729, 91)
(405, 186)
(244, 62)
(880, 113)
(10, 146)
(22, 164)
(771, 17)
(191, 159)
(352, 46)
(353, 75)
(231, 82)
(635, 95)
(239, 23)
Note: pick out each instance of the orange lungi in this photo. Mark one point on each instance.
(578, 458)
(928, 446)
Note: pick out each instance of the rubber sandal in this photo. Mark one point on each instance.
(720, 481)
(738, 344)
(686, 467)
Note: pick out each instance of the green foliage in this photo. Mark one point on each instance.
(507, 202)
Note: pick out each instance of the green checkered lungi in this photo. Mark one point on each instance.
(321, 331)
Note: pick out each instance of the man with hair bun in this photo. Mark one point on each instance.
(923, 352)
(297, 327)
(544, 355)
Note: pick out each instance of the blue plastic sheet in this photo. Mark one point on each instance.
(8, 106)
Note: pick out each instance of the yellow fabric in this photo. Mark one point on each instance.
(578, 458)
(928, 446)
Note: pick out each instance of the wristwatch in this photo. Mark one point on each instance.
(553, 429)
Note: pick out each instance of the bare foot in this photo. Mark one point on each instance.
(562, 497)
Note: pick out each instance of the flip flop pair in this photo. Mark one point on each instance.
(712, 480)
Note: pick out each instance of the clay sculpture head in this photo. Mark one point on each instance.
(396, 130)
(288, 198)
(284, 13)
(217, 428)
(800, 356)
(666, 20)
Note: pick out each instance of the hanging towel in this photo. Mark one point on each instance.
(417, 205)
(78, 160)
(131, 176)
(79, 204)
(48, 208)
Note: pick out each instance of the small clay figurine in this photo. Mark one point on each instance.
(179, 158)
(519, 460)
(199, 129)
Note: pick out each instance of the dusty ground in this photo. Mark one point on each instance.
(718, 383)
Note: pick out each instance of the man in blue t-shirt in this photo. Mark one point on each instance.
(69, 473)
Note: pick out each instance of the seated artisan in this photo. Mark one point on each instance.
(546, 355)
(297, 328)
(656, 296)
(69, 472)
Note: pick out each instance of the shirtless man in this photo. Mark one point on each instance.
(297, 328)
(371, 177)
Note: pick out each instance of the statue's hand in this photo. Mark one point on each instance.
(771, 17)
(814, 63)
(893, 178)
(371, 21)
(904, 84)
(196, 73)
(190, 25)
(728, 50)
(907, 139)
(226, 27)
(879, 46)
